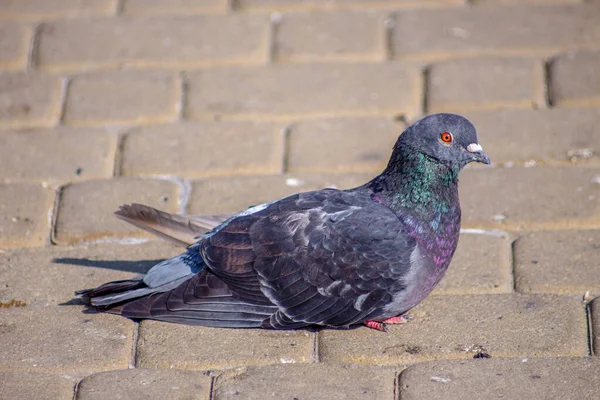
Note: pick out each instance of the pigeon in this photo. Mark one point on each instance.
(326, 258)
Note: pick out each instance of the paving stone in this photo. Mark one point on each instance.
(480, 84)
(14, 45)
(231, 195)
(67, 269)
(291, 90)
(60, 154)
(154, 42)
(29, 100)
(482, 264)
(48, 9)
(35, 386)
(553, 135)
(56, 339)
(513, 29)
(145, 384)
(24, 211)
(558, 262)
(204, 149)
(342, 35)
(86, 209)
(313, 381)
(129, 97)
(543, 378)
(595, 326)
(503, 325)
(540, 198)
(574, 79)
(187, 7)
(329, 5)
(165, 345)
(342, 144)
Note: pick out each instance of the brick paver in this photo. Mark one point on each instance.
(212, 106)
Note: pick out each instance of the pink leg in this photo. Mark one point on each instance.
(380, 325)
(395, 320)
(376, 325)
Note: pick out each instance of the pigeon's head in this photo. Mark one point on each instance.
(448, 138)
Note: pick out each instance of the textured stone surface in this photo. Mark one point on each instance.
(575, 80)
(460, 326)
(24, 214)
(29, 100)
(539, 379)
(550, 197)
(231, 195)
(481, 264)
(86, 209)
(145, 384)
(142, 42)
(35, 386)
(481, 83)
(295, 90)
(342, 144)
(306, 382)
(164, 345)
(558, 262)
(204, 149)
(554, 135)
(159, 7)
(129, 97)
(35, 9)
(50, 275)
(61, 154)
(518, 29)
(63, 339)
(330, 36)
(14, 45)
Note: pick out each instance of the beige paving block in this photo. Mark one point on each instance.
(550, 136)
(595, 326)
(86, 209)
(482, 264)
(490, 83)
(123, 97)
(57, 155)
(29, 100)
(331, 36)
(574, 79)
(558, 262)
(292, 90)
(15, 385)
(165, 345)
(187, 7)
(530, 198)
(55, 339)
(504, 325)
(535, 379)
(342, 144)
(315, 381)
(24, 214)
(51, 275)
(193, 149)
(231, 195)
(329, 5)
(14, 45)
(505, 30)
(152, 42)
(49, 9)
(145, 384)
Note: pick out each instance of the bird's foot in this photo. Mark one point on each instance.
(400, 319)
(380, 325)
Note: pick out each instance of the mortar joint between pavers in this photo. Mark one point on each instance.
(76, 388)
(119, 8)
(286, 143)
(32, 50)
(134, 346)
(424, 86)
(118, 155)
(233, 6)
(54, 212)
(272, 32)
(387, 33)
(182, 98)
(64, 93)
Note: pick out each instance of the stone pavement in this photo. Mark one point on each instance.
(209, 106)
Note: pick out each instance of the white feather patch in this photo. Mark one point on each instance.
(473, 147)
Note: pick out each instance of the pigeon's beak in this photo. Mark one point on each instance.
(477, 153)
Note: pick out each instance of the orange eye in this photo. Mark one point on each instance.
(446, 137)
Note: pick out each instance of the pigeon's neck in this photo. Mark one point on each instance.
(415, 185)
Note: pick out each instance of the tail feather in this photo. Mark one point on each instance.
(178, 229)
